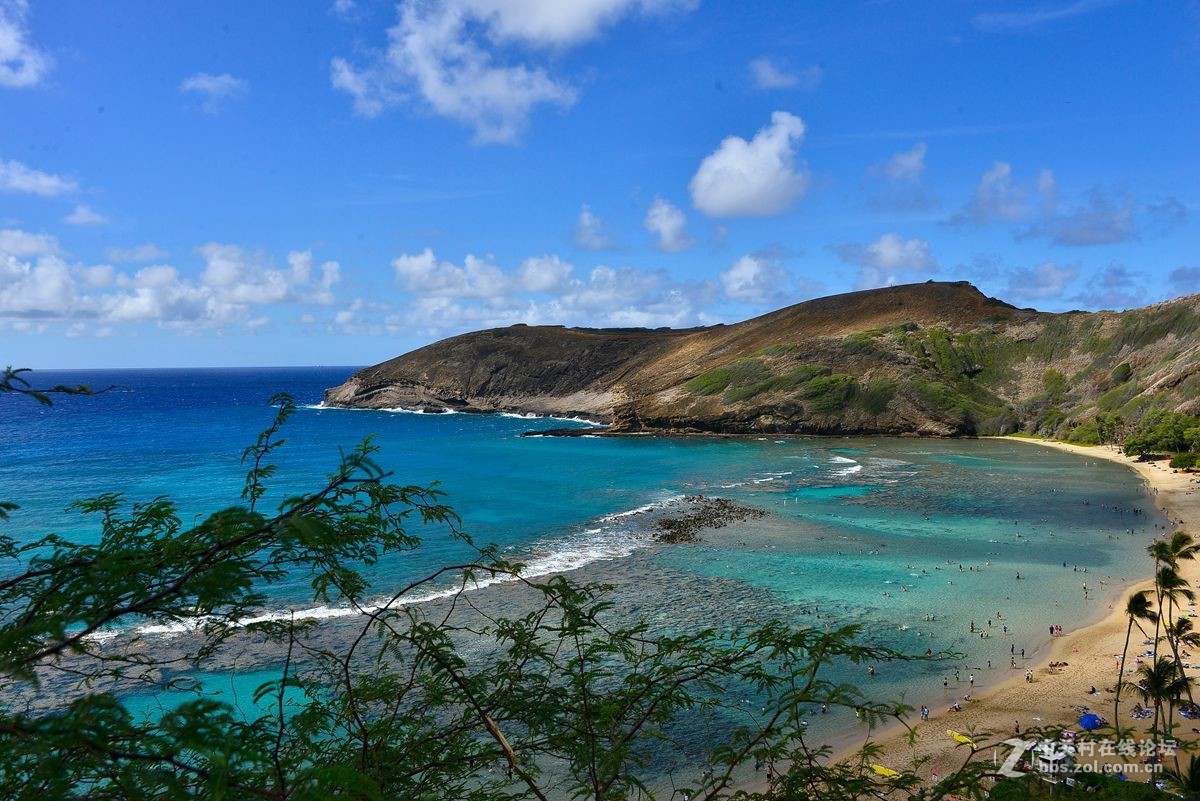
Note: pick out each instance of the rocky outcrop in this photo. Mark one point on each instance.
(929, 359)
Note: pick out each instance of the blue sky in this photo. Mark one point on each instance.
(234, 183)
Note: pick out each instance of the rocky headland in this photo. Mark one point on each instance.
(939, 358)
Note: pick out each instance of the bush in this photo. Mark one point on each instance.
(1186, 461)
(1085, 434)
(776, 383)
(877, 395)
(827, 394)
(1162, 431)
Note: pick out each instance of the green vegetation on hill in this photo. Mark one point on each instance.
(978, 381)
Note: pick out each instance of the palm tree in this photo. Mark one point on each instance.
(1181, 546)
(1187, 781)
(1169, 586)
(1137, 609)
(1160, 683)
(1172, 588)
(1185, 633)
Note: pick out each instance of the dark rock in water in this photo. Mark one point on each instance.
(702, 513)
(930, 359)
(590, 431)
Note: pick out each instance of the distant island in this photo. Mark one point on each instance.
(936, 359)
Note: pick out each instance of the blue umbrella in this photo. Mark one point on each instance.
(1090, 721)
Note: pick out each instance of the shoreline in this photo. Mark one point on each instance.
(1089, 649)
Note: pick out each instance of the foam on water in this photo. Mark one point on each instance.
(614, 539)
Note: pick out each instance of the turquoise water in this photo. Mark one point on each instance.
(885, 533)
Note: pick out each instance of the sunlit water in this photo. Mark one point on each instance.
(884, 533)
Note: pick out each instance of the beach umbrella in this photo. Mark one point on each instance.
(1090, 721)
(962, 738)
(882, 771)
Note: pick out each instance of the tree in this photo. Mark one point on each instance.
(1137, 609)
(1159, 683)
(420, 701)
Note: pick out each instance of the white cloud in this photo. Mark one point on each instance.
(759, 178)
(1100, 221)
(769, 75)
(316, 283)
(462, 58)
(214, 90)
(905, 165)
(16, 177)
(899, 186)
(757, 280)
(99, 276)
(23, 245)
(476, 278)
(999, 197)
(1184, 280)
(41, 288)
(444, 297)
(882, 262)
(591, 233)
(84, 215)
(546, 274)
(145, 252)
(233, 288)
(1114, 287)
(370, 95)
(21, 64)
(667, 222)
(552, 23)
(1047, 187)
(1045, 281)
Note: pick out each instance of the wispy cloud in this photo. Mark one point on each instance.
(22, 65)
(1000, 21)
(214, 90)
(145, 252)
(768, 74)
(591, 232)
(85, 215)
(17, 177)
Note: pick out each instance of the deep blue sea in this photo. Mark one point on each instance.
(877, 531)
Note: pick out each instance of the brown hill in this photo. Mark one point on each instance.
(933, 358)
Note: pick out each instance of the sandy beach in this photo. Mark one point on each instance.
(1051, 698)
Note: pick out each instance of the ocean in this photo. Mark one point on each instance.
(916, 540)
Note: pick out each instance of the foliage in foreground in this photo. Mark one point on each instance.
(409, 701)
